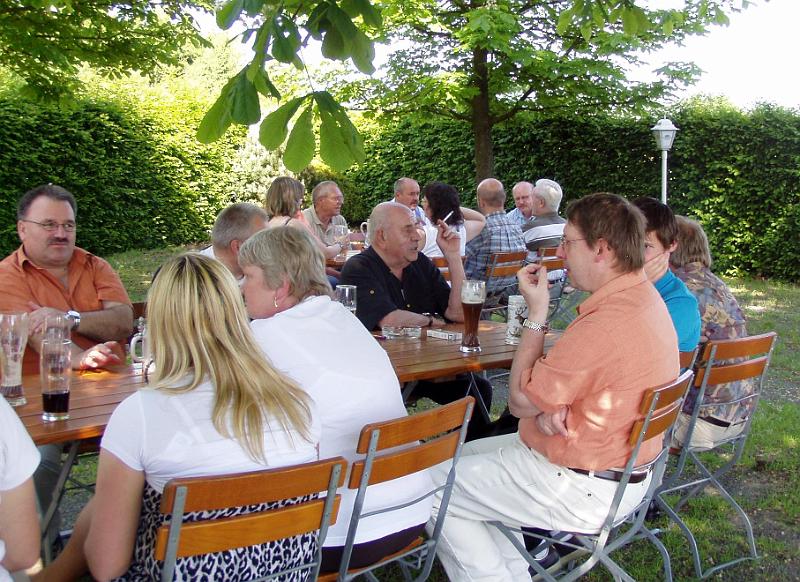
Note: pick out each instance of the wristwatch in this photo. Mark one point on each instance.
(75, 317)
(535, 326)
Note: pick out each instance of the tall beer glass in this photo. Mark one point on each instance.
(473, 294)
(13, 337)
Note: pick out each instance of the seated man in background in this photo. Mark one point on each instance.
(406, 192)
(576, 405)
(523, 210)
(547, 226)
(49, 275)
(234, 225)
(327, 200)
(399, 286)
(660, 242)
(499, 235)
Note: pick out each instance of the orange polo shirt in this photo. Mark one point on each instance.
(622, 343)
(91, 281)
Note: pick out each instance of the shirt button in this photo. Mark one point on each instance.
(372, 292)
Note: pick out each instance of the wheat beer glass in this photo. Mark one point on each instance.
(13, 337)
(473, 294)
(55, 365)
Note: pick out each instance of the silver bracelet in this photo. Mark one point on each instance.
(535, 326)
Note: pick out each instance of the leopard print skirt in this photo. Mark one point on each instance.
(237, 565)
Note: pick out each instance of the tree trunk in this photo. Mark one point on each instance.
(481, 117)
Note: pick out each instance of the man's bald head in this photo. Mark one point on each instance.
(491, 195)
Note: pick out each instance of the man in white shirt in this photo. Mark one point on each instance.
(234, 225)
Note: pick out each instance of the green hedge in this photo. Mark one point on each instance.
(140, 177)
(738, 172)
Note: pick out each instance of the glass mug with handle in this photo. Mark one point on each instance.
(140, 338)
(346, 295)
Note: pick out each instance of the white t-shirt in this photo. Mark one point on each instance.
(18, 460)
(171, 435)
(336, 360)
(209, 252)
(432, 249)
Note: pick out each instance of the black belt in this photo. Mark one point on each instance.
(611, 475)
(715, 421)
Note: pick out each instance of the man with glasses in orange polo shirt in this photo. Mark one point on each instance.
(48, 275)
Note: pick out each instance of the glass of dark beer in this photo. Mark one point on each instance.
(473, 294)
(55, 363)
(13, 338)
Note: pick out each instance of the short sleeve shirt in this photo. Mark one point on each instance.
(91, 282)
(421, 290)
(18, 460)
(683, 310)
(500, 235)
(315, 224)
(621, 344)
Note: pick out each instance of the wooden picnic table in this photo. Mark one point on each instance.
(95, 394)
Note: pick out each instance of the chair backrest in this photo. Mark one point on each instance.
(687, 359)
(552, 264)
(505, 264)
(547, 251)
(441, 264)
(753, 354)
(139, 310)
(177, 539)
(400, 447)
(659, 409)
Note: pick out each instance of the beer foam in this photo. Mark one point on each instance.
(470, 296)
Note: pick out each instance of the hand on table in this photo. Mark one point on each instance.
(99, 356)
(553, 423)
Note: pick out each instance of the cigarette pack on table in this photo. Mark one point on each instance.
(446, 335)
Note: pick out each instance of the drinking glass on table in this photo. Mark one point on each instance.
(13, 338)
(346, 295)
(57, 326)
(55, 367)
(473, 294)
(341, 236)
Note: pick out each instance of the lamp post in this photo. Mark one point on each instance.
(664, 132)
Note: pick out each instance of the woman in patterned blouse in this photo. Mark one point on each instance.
(721, 318)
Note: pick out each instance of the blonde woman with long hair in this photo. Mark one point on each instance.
(214, 406)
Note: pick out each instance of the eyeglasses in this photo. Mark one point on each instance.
(564, 241)
(52, 225)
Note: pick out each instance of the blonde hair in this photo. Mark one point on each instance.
(198, 329)
(692, 244)
(290, 254)
(284, 197)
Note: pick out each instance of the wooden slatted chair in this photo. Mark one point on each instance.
(501, 266)
(687, 359)
(441, 264)
(721, 362)
(659, 408)
(393, 450)
(545, 252)
(177, 539)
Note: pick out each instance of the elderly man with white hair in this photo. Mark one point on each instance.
(522, 213)
(547, 226)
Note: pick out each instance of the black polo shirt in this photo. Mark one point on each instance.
(422, 289)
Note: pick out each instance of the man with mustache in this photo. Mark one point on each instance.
(48, 275)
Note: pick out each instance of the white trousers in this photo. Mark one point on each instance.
(501, 479)
(705, 435)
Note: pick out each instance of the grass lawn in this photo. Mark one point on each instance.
(766, 482)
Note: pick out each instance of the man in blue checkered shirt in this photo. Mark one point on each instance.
(500, 235)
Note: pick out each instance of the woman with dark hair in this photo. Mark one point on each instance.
(440, 201)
